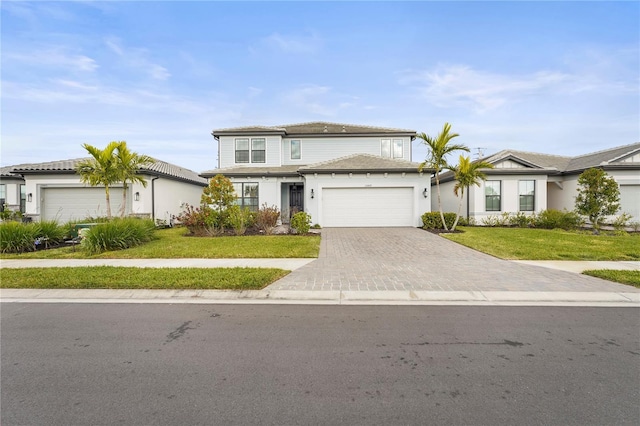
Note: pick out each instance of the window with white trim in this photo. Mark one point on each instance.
(527, 195)
(392, 148)
(23, 198)
(242, 150)
(258, 150)
(492, 195)
(295, 150)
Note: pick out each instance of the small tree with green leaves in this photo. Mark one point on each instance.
(219, 193)
(598, 196)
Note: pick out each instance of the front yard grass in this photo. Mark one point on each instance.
(620, 276)
(172, 243)
(109, 277)
(547, 244)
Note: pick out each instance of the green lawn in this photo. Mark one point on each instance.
(172, 243)
(94, 277)
(623, 277)
(545, 244)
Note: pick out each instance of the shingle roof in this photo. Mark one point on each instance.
(160, 168)
(363, 163)
(544, 161)
(6, 172)
(603, 158)
(315, 128)
(253, 171)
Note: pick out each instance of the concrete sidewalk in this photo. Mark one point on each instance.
(462, 298)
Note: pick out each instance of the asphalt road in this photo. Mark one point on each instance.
(81, 364)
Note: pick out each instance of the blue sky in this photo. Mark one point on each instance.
(553, 77)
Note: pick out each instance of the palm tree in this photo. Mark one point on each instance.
(128, 165)
(467, 173)
(439, 148)
(100, 169)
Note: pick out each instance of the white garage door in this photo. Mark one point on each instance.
(66, 204)
(630, 201)
(360, 207)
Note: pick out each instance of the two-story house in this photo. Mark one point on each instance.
(343, 175)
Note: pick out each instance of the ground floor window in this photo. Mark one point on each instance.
(23, 198)
(527, 191)
(247, 195)
(492, 195)
(3, 196)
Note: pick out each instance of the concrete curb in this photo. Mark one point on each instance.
(464, 298)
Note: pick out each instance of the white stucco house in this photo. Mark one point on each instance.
(343, 175)
(53, 191)
(531, 182)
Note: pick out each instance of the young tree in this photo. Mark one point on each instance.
(128, 164)
(101, 169)
(219, 192)
(598, 196)
(467, 173)
(438, 150)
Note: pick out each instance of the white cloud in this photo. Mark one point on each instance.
(56, 57)
(293, 43)
(137, 59)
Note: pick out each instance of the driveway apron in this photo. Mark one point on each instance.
(379, 259)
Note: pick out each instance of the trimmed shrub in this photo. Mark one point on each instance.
(552, 219)
(301, 222)
(432, 220)
(520, 220)
(119, 234)
(16, 237)
(239, 219)
(202, 221)
(267, 218)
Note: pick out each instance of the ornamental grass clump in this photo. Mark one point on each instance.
(119, 234)
(16, 237)
(51, 232)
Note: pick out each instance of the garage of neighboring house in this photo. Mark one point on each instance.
(630, 201)
(368, 206)
(76, 203)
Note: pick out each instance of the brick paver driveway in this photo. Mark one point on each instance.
(412, 259)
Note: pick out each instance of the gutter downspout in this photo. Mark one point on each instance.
(153, 199)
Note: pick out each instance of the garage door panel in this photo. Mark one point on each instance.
(356, 207)
(630, 200)
(66, 204)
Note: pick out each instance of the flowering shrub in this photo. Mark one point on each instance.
(201, 221)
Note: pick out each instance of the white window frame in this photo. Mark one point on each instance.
(388, 148)
(250, 150)
(299, 149)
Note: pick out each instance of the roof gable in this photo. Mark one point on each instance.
(362, 163)
(626, 155)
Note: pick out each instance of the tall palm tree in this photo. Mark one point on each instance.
(100, 169)
(467, 173)
(438, 150)
(128, 165)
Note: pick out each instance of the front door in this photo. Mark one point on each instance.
(296, 198)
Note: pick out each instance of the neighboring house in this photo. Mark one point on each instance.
(531, 182)
(343, 175)
(53, 191)
(12, 191)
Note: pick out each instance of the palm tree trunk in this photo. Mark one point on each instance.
(453, 228)
(444, 224)
(106, 191)
(124, 199)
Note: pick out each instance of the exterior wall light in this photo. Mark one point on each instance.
(30, 197)
(136, 196)
(312, 194)
(425, 193)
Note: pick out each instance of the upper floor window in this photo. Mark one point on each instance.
(492, 195)
(258, 150)
(391, 148)
(242, 150)
(251, 150)
(527, 192)
(295, 150)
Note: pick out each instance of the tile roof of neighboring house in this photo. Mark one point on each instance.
(317, 128)
(603, 158)
(159, 168)
(253, 171)
(544, 161)
(362, 163)
(6, 172)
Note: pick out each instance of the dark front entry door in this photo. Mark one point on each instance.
(296, 197)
